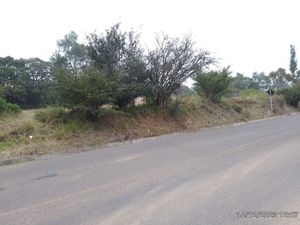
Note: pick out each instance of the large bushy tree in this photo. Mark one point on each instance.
(280, 78)
(170, 64)
(25, 82)
(71, 55)
(40, 83)
(120, 55)
(13, 79)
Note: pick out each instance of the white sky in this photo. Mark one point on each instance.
(249, 35)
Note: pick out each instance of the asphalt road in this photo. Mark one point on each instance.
(247, 174)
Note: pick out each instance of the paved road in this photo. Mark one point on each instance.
(198, 178)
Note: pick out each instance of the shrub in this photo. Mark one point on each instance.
(177, 108)
(291, 95)
(8, 108)
(86, 92)
(51, 115)
(213, 85)
(237, 108)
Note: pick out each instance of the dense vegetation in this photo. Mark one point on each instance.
(292, 95)
(8, 108)
(110, 88)
(113, 69)
(213, 85)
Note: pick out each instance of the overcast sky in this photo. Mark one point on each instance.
(249, 35)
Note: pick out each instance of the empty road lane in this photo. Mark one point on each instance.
(247, 174)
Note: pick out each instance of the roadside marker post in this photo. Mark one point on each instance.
(271, 93)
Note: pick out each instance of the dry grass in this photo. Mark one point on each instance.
(25, 137)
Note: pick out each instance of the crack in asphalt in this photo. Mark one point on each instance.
(46, 176)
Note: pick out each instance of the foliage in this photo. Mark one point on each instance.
(170, 64)
(291, 95)
(85, 93)
(280, 79)
(26, 82)
(237, 108)
(260, 79)
(176, 108)
(183, 90)
(293, 64)
(143, 109)
(8, 108)
(240, 82)
(108, 50)
(213, 85)
(70, 55)
(39, 83)
(120, 55)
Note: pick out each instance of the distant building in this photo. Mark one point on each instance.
(263, 85)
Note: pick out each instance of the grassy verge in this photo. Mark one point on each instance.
(55, 130)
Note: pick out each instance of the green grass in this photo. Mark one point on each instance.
(7, 109)
(51, 115)
(252, 94)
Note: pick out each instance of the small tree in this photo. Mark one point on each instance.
(293, 64)
(213, 85)
(170, 64)
(86, 92)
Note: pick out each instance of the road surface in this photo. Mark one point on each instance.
(247, 174)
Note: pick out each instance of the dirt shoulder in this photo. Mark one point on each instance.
(25, 138)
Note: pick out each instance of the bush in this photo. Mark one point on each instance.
(213, 85)
(237, 108)
(8, 108)
(51, 115)
(291, 95)
(176, 108)
(86, 92)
